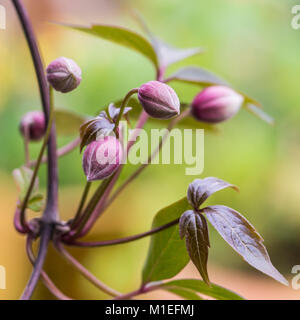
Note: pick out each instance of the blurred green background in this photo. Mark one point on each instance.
(249, 43)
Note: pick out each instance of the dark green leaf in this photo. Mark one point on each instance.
(121, 36)
(167, 254)
(213, 291)
(193, 227)
(68, 122)
(243, 238)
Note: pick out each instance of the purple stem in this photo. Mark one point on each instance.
(47, 281)
(50, 214)
(88, 275)
(60, 152)
(38, 265)
(141, 290)
(121, 240)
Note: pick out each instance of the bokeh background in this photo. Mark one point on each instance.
(249, 43)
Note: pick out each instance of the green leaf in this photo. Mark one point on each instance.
(68, 122)
(36, 202)
(167, 254)
(243, 238)
(201, 287)
(198, 76)
(166, 53)
(184, 293)
(121, 36)
(258, 112)
(193, 227)
(22, 177)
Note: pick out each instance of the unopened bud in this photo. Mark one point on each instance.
(216, 104)
(33, 123)
(159, 100)
(101, 158)
(64, 74)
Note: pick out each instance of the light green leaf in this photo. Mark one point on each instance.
(258, 112)
(166, 53)
(68, 122)
(167, 253)
(198, 76)
(184, 293)
(36, 202)
(22, 177)
(123, 37)
(199, 286)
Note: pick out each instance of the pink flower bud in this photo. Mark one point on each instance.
(34, 123)
(101, 158)
(159, 100)
(216, 104)
(64, 74)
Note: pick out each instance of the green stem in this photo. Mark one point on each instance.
(90, 207)
(122, 108)
(81, 204)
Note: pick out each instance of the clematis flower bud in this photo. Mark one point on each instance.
(159, 100)
(34, 123)
(216, 104)
(101, 158)
(64, 74)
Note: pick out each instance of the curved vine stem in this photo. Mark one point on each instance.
(50, 214)
(38, 265)
(89, 276)
(122, 108)
(60, 152)
(46, 280)
(36, 169)
(122, 240)
(81, 204)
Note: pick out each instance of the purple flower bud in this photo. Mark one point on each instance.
(216, 104)
(101, 158)
(34, 123)
(159, 100)
(64, 74)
